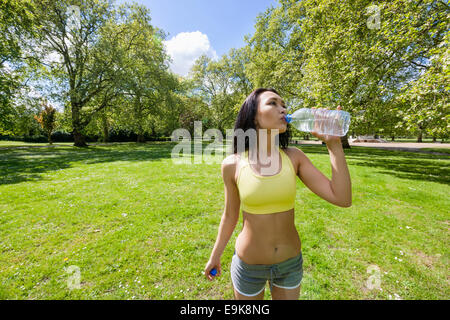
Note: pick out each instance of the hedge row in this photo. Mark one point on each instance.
(61, 136)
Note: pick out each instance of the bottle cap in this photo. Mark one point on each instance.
(288, 118)
(213, 272)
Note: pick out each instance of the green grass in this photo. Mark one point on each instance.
(414, 140)
(388, 139)
(441, 150)
(140, 227)
(10, 143)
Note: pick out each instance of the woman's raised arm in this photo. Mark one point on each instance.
(338, 190)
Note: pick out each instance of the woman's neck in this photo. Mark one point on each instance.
(266, 143)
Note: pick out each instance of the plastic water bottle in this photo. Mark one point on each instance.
(322, 121)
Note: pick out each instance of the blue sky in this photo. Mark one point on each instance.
(198, 27)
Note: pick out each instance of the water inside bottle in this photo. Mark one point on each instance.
(304, 121)
(323, 121)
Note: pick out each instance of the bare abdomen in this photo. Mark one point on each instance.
(268, 238)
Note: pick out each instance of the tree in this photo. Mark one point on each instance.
(66, 47)
(100, 53)
(426, 99)
(46, 119)
(347, 53)
(222, 86)
(87, 43)
(146, 82)
(276, 51)
(16, 21)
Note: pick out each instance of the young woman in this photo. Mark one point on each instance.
(268, 247)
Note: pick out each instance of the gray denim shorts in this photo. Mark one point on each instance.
(250, 279)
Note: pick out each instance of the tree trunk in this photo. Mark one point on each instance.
(419, 137)
(105, 126)
(139, 120)
(392, 138)
(140, 138)
(78, 137)
(140, 131)
(49, 135)
(345, 143)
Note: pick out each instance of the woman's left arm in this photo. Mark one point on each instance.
(337, 191)
(341, 183)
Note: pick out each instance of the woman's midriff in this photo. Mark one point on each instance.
(268, 238)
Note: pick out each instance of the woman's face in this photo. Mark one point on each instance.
(271, 112)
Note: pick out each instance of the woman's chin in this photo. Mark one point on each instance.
(281, 129)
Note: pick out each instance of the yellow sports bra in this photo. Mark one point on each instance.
(267, 194)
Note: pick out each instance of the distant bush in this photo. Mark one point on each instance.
(121, 135)
(36, 139)
(10, 137)
(62, 136)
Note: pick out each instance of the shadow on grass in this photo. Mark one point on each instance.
(402, 164)
(27, 164)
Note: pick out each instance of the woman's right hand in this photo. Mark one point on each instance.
(212, 264)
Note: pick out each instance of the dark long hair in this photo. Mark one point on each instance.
(246, 119)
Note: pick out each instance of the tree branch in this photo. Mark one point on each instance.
(419, 65)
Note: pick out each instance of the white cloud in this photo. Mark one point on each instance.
(185, 48)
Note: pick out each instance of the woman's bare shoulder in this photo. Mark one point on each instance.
(294, 151)
(229, 166)
(231, 160)
(296, 155)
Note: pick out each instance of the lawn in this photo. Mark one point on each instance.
(388, 139)
(134, 225)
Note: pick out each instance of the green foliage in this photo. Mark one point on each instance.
(16, 22)
(325, 53)
(107, 53)
(386, 62)
(47, 119)
(222, 86)
(429, 96)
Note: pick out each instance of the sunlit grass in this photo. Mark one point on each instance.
(140, 227)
